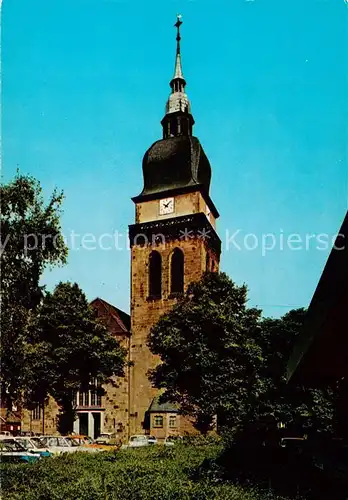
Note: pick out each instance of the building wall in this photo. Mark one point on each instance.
(145, 312)
(183, 425)
(184, 204)
(47, 421)
(114, 404)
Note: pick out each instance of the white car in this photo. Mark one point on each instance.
(137, 441)
(172, 440)
(59, 444)
(80, 447)
(12, 451)
(33, 446)
(151, 439)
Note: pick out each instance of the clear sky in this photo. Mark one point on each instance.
(84, 84)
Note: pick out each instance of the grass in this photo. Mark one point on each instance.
(151, 473)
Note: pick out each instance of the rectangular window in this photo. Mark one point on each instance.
(172, 421)
(36, 413)
(83, 398)
(93, 398)
(86, 396)
(158, 421)
(74, 399)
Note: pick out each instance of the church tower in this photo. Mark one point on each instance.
(173, 241)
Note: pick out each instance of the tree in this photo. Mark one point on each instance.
(69, 350)
(297, 406)
(31, 239)
(209, 359)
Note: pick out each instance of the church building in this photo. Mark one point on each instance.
(173, 242)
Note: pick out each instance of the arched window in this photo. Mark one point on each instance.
(177, 272)
(155, 275)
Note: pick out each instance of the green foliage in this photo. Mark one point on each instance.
(31, 239)
(152, 473)
(219, 358)
(69, 348)
(301, 408)
(210, 360)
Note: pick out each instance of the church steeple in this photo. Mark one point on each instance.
(178, 75)
(178, 119)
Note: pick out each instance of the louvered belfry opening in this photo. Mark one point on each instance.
(155, 275)
(177, 271)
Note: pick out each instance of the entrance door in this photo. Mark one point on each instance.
(83, 418)
(96, 418)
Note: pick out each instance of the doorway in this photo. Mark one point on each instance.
(96, 419)
(83, 420)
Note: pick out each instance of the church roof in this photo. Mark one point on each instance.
(175, 162)
(321, 354)
(120, 319)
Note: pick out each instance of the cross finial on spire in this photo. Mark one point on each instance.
(177, 25)
(178, 69)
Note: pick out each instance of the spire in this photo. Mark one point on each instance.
(178, 119)
(178, 68)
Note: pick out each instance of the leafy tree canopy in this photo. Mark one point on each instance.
(31, 239)
(218, 357)
(299, 407)
(68, 349)
(210, 360)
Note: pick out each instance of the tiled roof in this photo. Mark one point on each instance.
(157, 407)
(120, 317)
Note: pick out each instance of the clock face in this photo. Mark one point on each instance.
(166, 206)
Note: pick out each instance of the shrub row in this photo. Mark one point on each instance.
(153, 473)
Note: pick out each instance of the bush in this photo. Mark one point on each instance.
(151, 473)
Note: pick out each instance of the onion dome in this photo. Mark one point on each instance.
(178, 160)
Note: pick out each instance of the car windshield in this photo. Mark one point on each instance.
(137, 438)
(10, 445)
(37, 443)
(25, 443)
(72, 442)
(56, 441)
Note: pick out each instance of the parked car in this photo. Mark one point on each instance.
(107, 441)
(32, 446)
(82, 440)
(151, 439)
(79, 444)
(59, 444)
(137, 441)
(172, 440)
(107, 438)
(12, 451)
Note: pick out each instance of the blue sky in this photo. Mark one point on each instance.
(84, 84)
